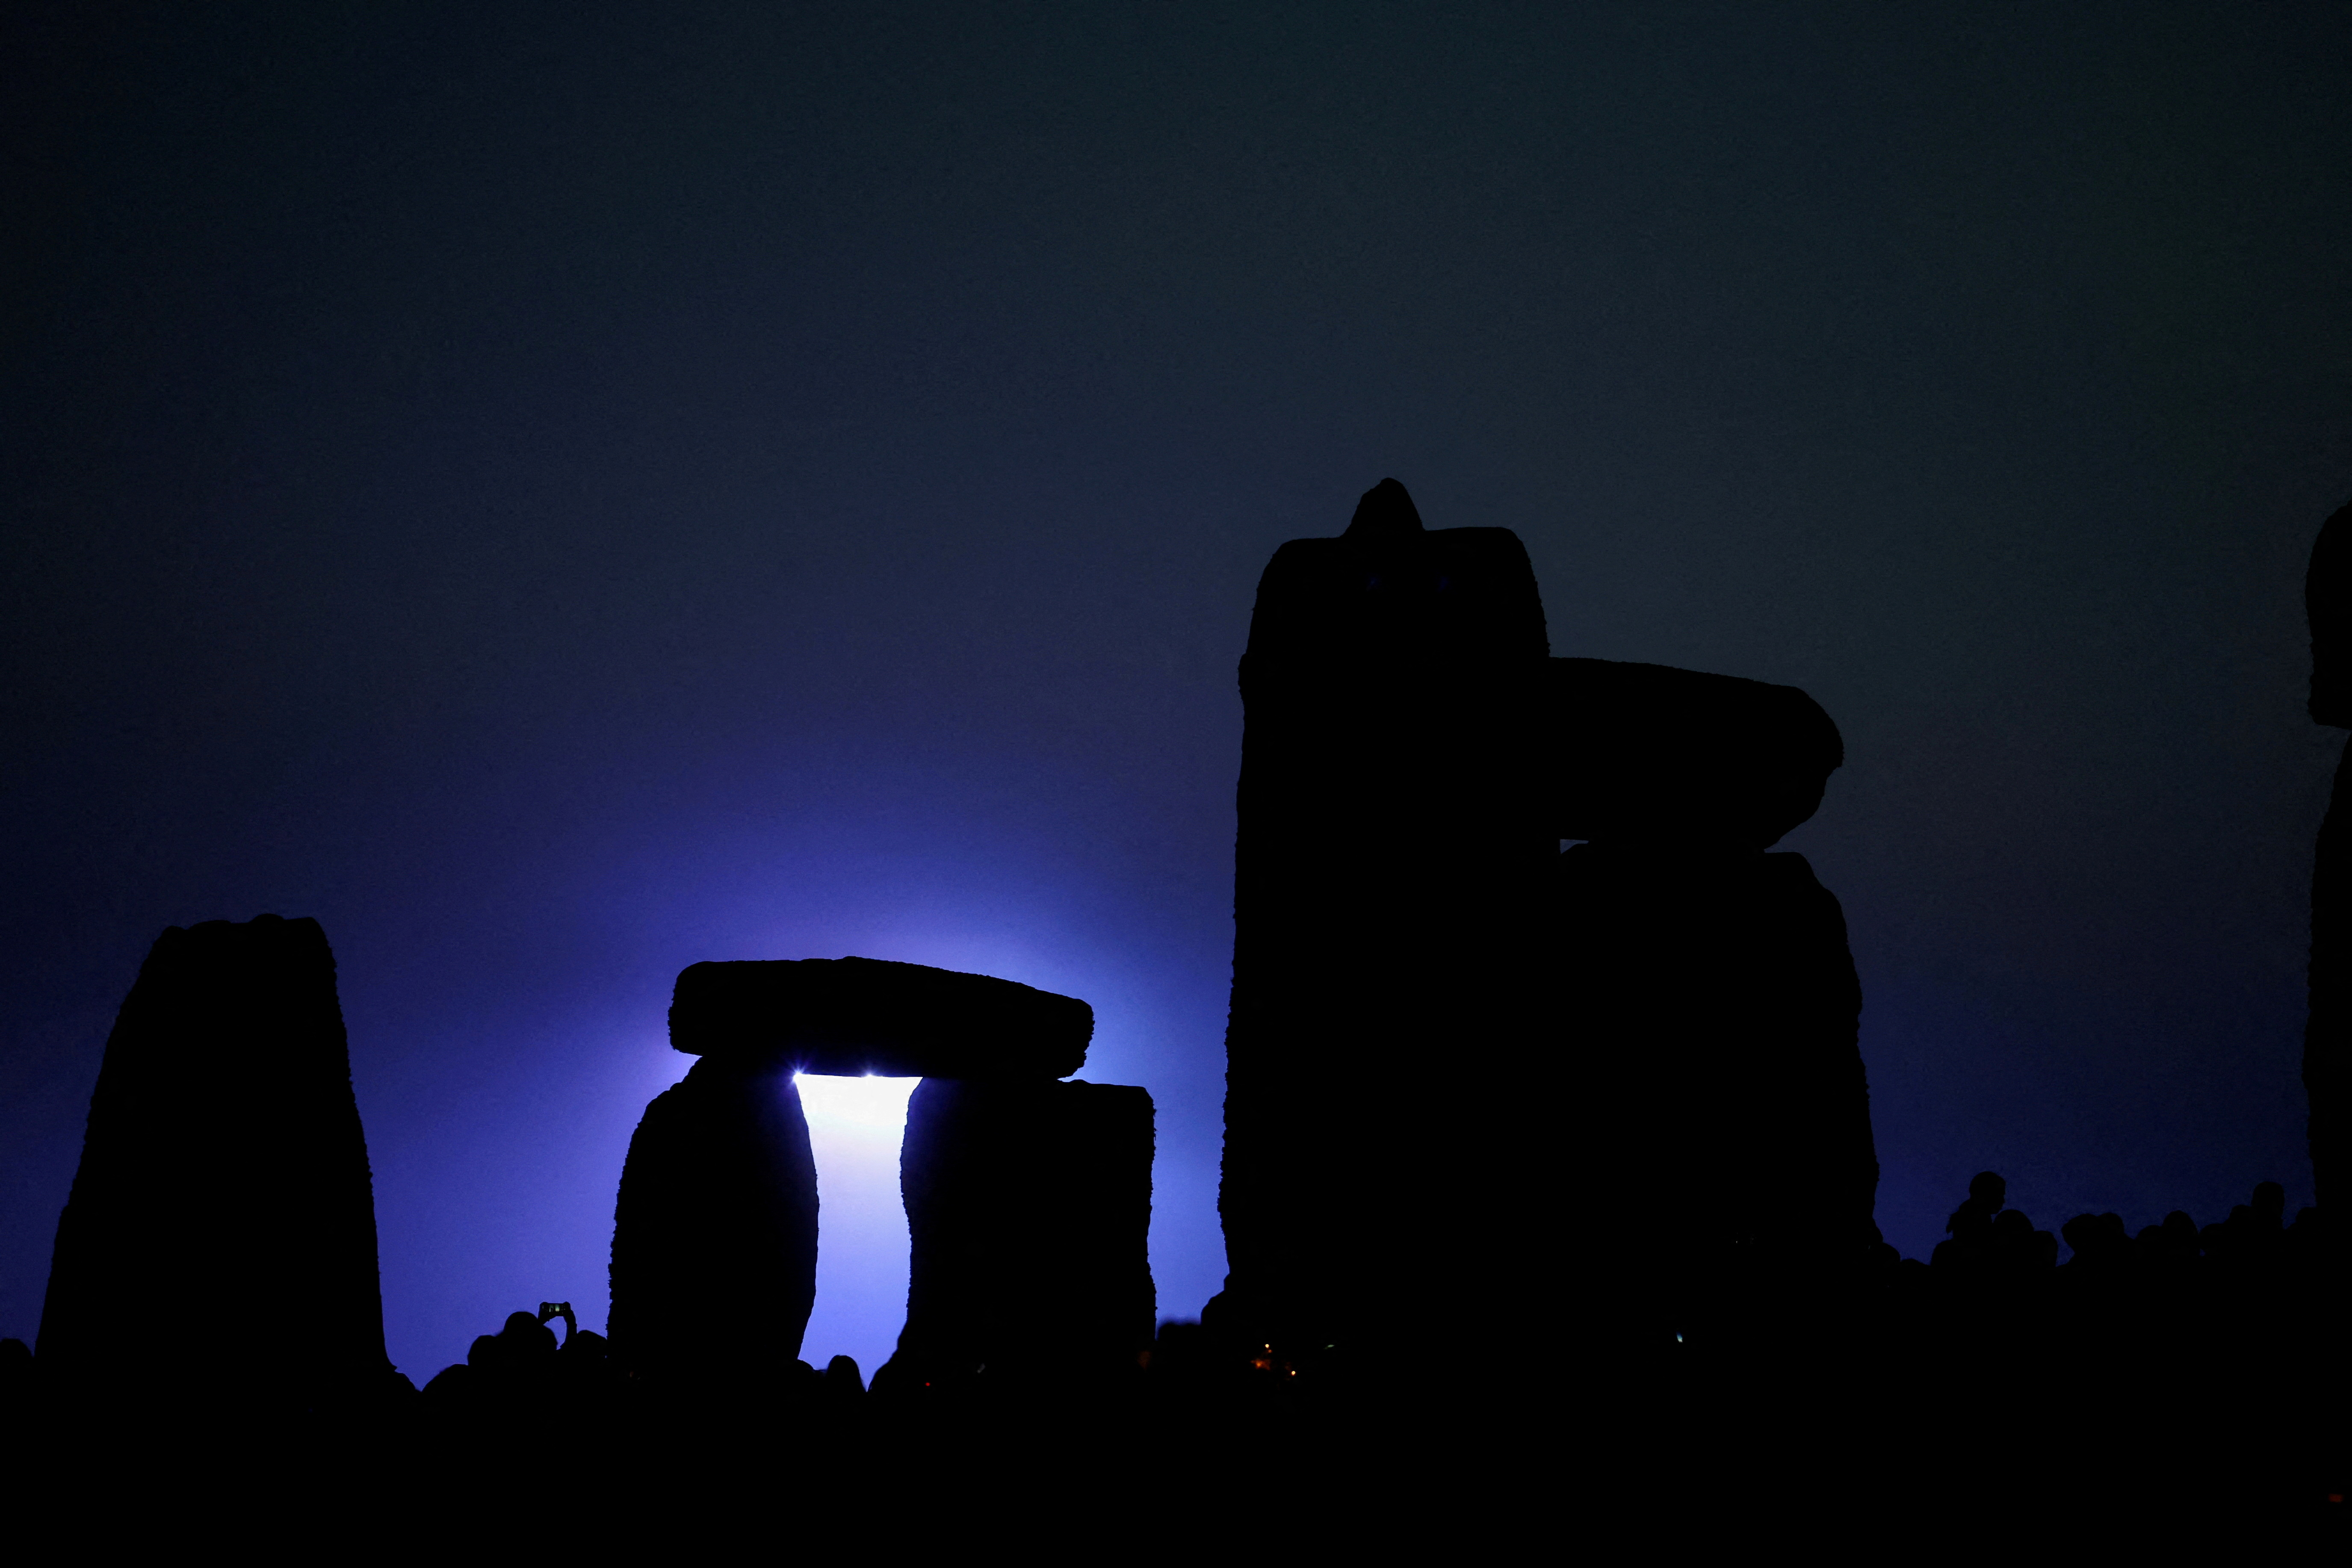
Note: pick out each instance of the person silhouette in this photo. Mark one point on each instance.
(1970, 1227)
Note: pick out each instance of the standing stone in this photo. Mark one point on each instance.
(1704, 990)
(714, 1237)
(2327, 1033)
(221, 1230)
(1028, 1207)
(1390, 856)
(1711, 1013)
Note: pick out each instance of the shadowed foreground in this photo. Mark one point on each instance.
(2175, 1380)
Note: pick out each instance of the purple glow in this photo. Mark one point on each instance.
(855, 1125)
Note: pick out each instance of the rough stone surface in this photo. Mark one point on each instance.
(858, 1016)
(714, 1237)
(1650, 753)
(223, 1216)
(1028, 1206)
(1708, 1011)
(1391, 853)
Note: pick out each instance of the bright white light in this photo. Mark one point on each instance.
(856, 1107)
(855, 1125)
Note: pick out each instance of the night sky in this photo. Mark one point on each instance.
(559, 493)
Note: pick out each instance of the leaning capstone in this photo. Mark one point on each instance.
(1028, 1207)
(222, 1223)
(1650, 753)
(853, 1017)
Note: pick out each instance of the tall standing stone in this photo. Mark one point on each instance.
(221, 1228)
(1029, 1210)
(2327, 1033)
(1389, 863)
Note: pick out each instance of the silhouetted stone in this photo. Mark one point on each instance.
(2327, 1033)
(851, 1016)
(1709, 997)
(714, 1237)
(1390, 856)
(1028, 1207)
(1652, 753)
(1710, 1008)
(223, 1199)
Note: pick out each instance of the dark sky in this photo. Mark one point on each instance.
(558, 493)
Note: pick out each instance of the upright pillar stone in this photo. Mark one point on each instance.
(1029, 1209)
(2328, 1033)
(715, 1234)
(1390, 854)
(221, 1230)
(1707, 998)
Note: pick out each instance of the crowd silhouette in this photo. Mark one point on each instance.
(2091, 1366)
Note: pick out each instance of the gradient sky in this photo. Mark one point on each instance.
(561, 492)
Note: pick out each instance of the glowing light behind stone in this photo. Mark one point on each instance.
(855, 1125)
